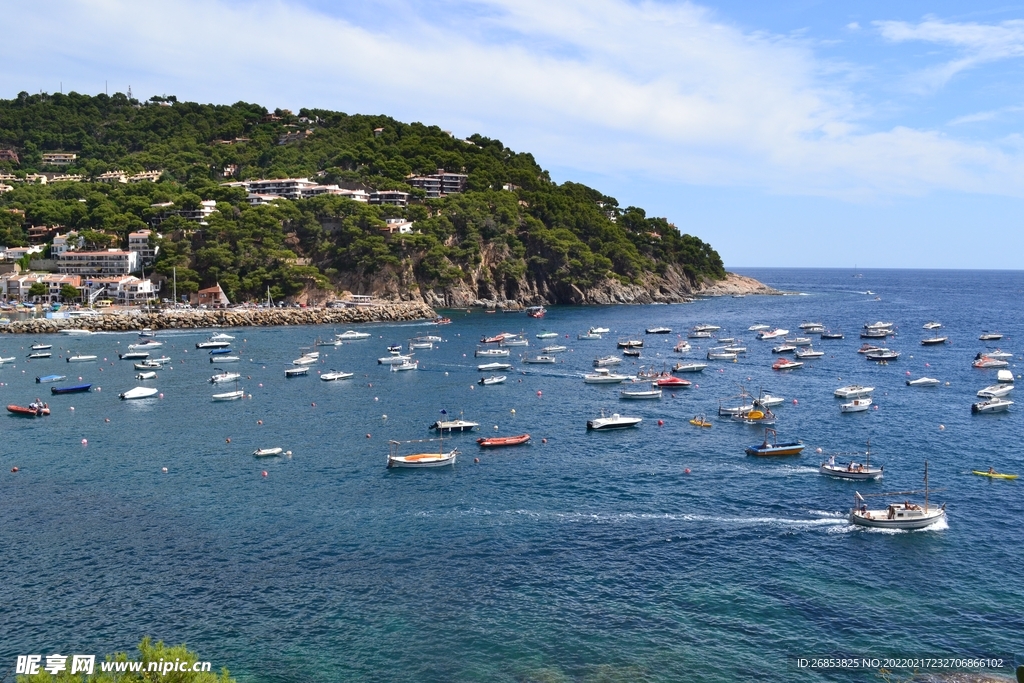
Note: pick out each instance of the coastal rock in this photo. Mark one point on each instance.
(734, 285)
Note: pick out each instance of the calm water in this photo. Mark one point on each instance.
(591, 557)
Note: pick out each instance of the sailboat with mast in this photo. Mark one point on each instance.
(905, 515)
(852, 470)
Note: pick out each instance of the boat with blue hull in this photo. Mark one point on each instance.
(72, 389)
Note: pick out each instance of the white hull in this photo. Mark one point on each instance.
(81, 359)
(923, 382)
(841, 472)
(689, 367)
(138, 392)
(640, 395)
(393, 360)
(423, 460)
(334, 376)
(352, 336)
(855, 406)
(910, 519)
(852, 391)
(486, 367)
(229, 396)
(226, 377)
(614, 422)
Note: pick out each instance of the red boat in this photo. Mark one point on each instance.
(442, 321)
(673, 382)
(34, 410)
(536, 311)
(503, 441)
(496, 339)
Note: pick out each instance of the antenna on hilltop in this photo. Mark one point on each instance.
(129, 92)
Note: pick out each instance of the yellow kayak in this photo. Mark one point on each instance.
(700, 422)
(994, 475)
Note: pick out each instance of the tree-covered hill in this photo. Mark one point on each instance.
(512, 234)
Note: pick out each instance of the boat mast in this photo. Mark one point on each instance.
(926, 487)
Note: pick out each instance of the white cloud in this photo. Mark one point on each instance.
(977, 43)
(645, 89)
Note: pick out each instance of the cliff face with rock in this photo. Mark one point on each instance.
(123, 322)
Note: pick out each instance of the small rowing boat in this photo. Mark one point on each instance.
(34, 409)
(73, 389)
(773, 447)
(701, 421)
(267, 452)
(497, 441)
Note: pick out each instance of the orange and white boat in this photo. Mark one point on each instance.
(419, 460)
(785, 364)
(497, 441)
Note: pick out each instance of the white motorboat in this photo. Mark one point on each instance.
(220, 336)
(230, 395)
(757, 327)
(640, 394)
(223, 377)
(695, 334)
(599, 330)
(932, 325)
(225, 359)
(305, 360)
(868, 348)
(352, 335)
(37, 355)
(146, 374)
(428, 338)
(993, 405)
(148, 344)
(783, 348)
(658, 330)
(855, 406)
(335, 375)
(75, 332)
(297, 372)
(77, 359)
(211, 344)
(905, 515)
(983, 361)
(588, 336)
(487, 367)
(162, 359)
(393, 359)
(995, 391)
(1000, 354)
(808, 352)
(882, 355)
(41, 347)
(459, 425)
(735, 411)
(629, 343)
(923, 382)
(554, 348)
(267, 452)
(414, 345)
(148, 365)
(880, 325)
(682, 347)
(852, 470)
(605, 361)
(735, 349)
(1004, 376)
(139, 392)
(706, 328)
(725, 340)
(689, 367)
(798, 341)
(603, 376)
(808, 326)
(493, 379)
(614, 421)
(407, 365)
(540, 360)
(514, 341)
(813, 329)
(419, 460)
(547, 335)
(775, 333)
(990, 336)
(492, 353)
(134, 355)
(769, 401)
(721, 354)
(146, 332)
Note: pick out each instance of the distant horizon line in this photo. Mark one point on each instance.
(734, 269)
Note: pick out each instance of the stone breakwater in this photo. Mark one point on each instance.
(176, 320)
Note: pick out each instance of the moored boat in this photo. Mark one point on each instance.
(771, 445)
(554, 348)
(335, 375)
(230, 395)
(547, 335)
(588, 336)
(990, 336)
(606, 360)
(856, 405)
(993, 405)
(923, 382)
(673, 383)
(36, 355)
(419, 460)
(808, 352)
(352, 335)
(852, 470)
(905, 515)
(80, 359)
(493, 379)
(134, 355)
(603, 376)
(146, 374)
(613, 421)
(487, 367)
(689, 367)
(267, 452)
(35, 409)
(786, 364)
(297, 372)
(499, 441)
(138, 392)
(982, 361)
(50, 378)
(882, 355)
(934, 341)
(540, 360)
(459, 425)
(852, 391)
(492, 353)
(658, 330)
(995, 391)
(640, 394)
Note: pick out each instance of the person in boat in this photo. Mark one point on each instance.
(892, 512)
(991, 470)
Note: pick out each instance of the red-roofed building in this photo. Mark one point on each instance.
(211, 297)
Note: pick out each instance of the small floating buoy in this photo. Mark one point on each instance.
(99, 388)
(942, 428)
(476, 459)
(876, 407)
(472, 387)
(818, 449)
(313, 404)
(164, 470)
(513, 411)
(367, 436)
(261, 385)
(259, 422)
(794, 401)
(85, 441)
(383, 417)
(543, 440)
(288, 453)
(908, 371)
(661, 423)
(106, 419)
(687, 470)
(927, 365)
(161, 396)
(264, 473)
(375, 398)
(14, 469)
(228, 440)
(540, 393)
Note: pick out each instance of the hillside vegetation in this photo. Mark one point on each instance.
(534, 241)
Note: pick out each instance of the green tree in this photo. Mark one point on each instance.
(69, 292)
(38, 289)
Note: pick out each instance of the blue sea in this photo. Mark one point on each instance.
(660, 553)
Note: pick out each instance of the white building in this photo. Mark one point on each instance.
(126, 291)
(15, 253)
(63, 243)
(59, 158)
(391, 197)
(292, 188)
(98, 263)
(141, 242)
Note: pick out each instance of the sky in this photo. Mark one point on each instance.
(792, 133)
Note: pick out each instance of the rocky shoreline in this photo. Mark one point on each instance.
(235, 317)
